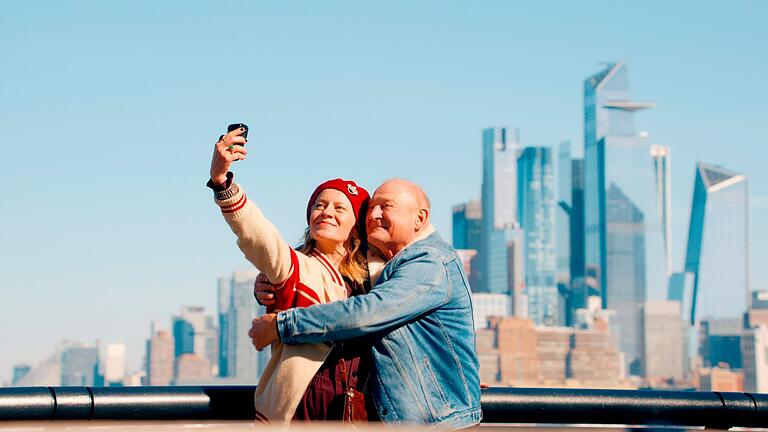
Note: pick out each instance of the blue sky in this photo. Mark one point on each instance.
(108, 113)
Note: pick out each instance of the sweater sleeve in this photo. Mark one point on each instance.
(257, 237)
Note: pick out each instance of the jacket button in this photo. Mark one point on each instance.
(384, 412)
(354, 374)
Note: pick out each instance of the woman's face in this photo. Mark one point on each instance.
(332, 218)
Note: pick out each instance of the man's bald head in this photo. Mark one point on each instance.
(398, 212)
(406, 186)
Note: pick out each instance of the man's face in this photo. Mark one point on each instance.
(392, 217)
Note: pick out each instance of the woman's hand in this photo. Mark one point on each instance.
(263, 290)
(229, 148)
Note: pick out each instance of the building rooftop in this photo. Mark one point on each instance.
(716, 178)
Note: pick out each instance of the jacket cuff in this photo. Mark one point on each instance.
(286, 325)
(228, 193)
(222, 191)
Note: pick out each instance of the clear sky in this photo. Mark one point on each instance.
(109, 111)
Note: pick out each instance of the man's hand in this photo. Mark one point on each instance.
(263, 290)
(263, 331)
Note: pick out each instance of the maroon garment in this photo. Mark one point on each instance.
(324, 397)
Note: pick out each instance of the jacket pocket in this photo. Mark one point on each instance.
(438, 403)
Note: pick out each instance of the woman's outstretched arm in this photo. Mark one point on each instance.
(257, 237)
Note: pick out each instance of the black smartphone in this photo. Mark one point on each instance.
(234, 126)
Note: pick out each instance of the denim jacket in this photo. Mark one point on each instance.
(419, 316)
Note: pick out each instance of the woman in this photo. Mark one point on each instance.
(301, 381)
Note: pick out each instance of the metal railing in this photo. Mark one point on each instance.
(500, 405)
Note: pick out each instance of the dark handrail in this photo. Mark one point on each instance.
(500, 405)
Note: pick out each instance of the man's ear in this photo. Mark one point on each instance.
(421, 218)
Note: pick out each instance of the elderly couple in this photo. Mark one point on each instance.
(370, 317)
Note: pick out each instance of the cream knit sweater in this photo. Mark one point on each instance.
(291, 367)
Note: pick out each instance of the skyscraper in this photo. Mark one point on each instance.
(114, 364)
(467, 225)
(720, 341)
(681, 291)
(516, 271)
(570, 234)
(79, 366)
(536, 204)
(718, 244)
(467, 237)
(577, 220)
(159, 358)
(500, 152)
(563, 212)
(224, 298)
(195, 332)
(664, 340)
(245, 363)
(662, 166)
(183, 337)
(754, 347)
(485, 306)
(499, 201)
(191, 369)
(579, 288)
(624, 245)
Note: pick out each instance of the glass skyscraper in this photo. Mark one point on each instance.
(183, 337)
(578, 290)
(536, 204)
(624, 245)
(245, 363)
(467, 239)
(79, 366)
(195, 332)
(223, 297)
(499, 202)
(718, 244)
(662, 167)
(577, 220)
(563, 212)
(467, 225)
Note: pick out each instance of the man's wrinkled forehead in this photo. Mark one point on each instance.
(380, 197)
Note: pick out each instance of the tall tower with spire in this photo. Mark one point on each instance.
(624, 242)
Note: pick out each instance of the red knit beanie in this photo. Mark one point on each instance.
(356, 194)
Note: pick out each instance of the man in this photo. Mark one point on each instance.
(419, 315)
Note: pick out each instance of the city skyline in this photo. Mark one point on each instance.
(624, 260)
(145, 237)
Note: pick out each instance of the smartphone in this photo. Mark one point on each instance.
(234, 126)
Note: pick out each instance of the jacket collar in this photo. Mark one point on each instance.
(377, 261)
